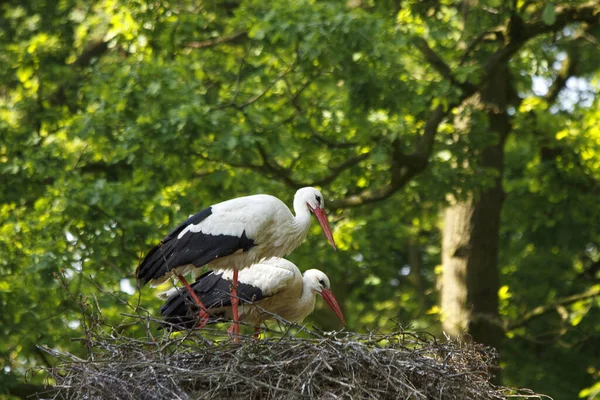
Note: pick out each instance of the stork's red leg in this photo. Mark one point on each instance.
(203, 316)
(230, 331)
(256, 332)
(235, 327)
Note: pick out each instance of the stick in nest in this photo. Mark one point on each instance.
(332, 365)
(207, 365)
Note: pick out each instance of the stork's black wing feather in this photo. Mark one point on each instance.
(180, 312)
(196, 248)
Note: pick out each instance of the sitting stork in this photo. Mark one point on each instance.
(272, 287)
(234, 235)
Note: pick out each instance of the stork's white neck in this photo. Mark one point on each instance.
(306, 303)
(302, 214)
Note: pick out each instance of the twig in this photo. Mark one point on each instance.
(541, 310)
(236, 37)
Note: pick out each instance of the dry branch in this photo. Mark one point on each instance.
(206, 365)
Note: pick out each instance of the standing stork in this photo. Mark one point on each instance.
(234, 235)
(272, 287)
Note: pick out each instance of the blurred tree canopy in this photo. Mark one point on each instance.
(118, 119)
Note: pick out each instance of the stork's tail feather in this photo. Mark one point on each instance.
(179, 312)
(154, 266)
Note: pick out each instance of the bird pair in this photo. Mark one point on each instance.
(233, 235)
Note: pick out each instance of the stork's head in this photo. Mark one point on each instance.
(313, 199)
(318, 282)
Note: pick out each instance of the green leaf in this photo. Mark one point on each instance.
(549, 13)
(590, 392)
(256, 32)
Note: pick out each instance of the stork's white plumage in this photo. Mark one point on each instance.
(274, 285)
(234, 235)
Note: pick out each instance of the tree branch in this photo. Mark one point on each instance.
(93, 50)
(256, 97)
(235, 38)
(587, 12)
(433, 59)
(493, 35)
(568, 69)
(112, 171)
(271, 167)
(425, 145)
(274, 169)
(43, 357)
(550, 149)
(404, 167)
(338, 169)
(545, 309)
(436, 62)
(317, 137)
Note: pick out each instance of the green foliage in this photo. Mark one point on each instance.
(549, 13)
(119, 119)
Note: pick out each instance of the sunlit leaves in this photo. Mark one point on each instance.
(183, 104)
(503, 296)
(591, 392)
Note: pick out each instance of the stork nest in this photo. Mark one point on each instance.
(208, 365)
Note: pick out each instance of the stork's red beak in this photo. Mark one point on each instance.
(322, 217)
(332, 302)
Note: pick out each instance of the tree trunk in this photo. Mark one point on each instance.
(470, 279)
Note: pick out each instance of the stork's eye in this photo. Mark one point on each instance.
(322, 282)
(318, 198)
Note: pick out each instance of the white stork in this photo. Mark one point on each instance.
(234, 235)
(274, 285)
